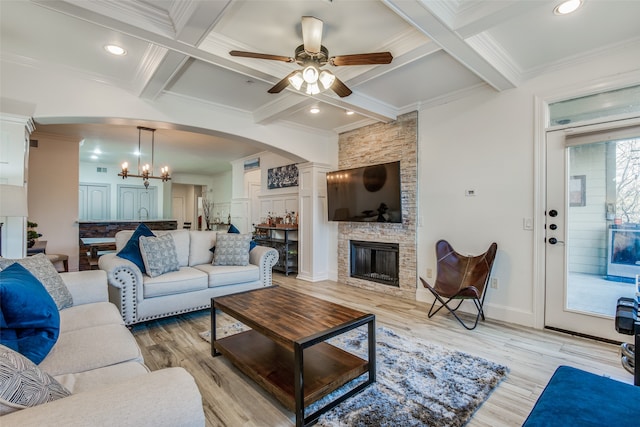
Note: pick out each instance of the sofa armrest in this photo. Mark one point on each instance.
(86, 287)
(168, 397)
(125, 284)
(265, 258)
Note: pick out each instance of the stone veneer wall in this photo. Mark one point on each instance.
(370, 145)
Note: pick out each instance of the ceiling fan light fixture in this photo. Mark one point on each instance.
(296, 80)
(326, 79)
(310, 74)
(313, 89)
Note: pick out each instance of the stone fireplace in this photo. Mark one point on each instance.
(370, 145)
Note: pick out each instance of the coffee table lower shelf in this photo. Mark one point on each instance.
(326, 367)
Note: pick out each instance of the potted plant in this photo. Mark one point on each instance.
(32, 234)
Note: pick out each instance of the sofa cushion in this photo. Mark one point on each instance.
(40, 266)
(234, 230)
(91, 348)
(201, 242)
(159, 254)
(181, 239)
(222, 275)
(187, 279)
(29, 319)
(101, 377)
(89, 315)
(232, 249)
(23, 384)
(131, 250)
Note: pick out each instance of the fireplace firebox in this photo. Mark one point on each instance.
(375, 261)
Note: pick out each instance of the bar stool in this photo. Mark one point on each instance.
(55, 258)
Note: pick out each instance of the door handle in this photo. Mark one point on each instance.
(554, 241)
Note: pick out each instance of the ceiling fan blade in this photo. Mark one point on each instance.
(261, 56)
(311, 34)
(362, 59)
(278, 87)
(340, 88)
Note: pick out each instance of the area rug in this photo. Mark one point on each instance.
(417, 384)
(574, 397)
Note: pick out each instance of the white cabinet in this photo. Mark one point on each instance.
(93, 202)
(137, 202)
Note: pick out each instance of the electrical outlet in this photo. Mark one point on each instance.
(429, 273)
(494, 283)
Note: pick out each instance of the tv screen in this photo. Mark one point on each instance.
(365, 194)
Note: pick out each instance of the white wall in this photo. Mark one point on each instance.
(53, 195)
(488, 142)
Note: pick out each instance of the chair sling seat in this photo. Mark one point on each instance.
(460, 278)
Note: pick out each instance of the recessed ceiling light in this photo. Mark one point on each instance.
(94, 157)
(314, 110)
(567, 7)
(97, 151)
(115, 50)
(350, 113)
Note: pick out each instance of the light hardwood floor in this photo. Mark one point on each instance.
(231, 399)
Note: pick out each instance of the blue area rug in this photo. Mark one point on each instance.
(577, 398)
(418, 384)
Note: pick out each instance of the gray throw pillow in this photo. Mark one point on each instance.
(23, 384)
(159, 254)
(40, 266)
(232, 249)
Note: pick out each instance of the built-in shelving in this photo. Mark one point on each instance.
(285, 240)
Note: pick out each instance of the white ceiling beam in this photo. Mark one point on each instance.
(417, 13)
(280, 108)
(151, 37)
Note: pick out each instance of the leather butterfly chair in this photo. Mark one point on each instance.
(460, 278)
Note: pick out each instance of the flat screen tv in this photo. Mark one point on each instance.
(365, 194)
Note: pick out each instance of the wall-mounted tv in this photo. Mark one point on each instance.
(365, 194)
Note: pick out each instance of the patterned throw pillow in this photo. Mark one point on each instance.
(40, 266)
(232, 249)
(23, 384)
(159, 254)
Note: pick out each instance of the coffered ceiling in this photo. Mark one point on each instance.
(441, 50)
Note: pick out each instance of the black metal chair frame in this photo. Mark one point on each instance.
(477, 298)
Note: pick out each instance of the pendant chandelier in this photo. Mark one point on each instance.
(145, 172)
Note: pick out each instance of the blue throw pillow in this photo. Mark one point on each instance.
(233, 229)
(29, 317)
(131, 250)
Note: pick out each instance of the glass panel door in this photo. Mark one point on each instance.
(592, 231)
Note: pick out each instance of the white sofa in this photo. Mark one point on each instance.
(141, 298)
(98, 360)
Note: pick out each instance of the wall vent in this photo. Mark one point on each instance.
(101, 170)
(33, 143)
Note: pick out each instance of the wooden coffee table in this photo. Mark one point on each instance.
(285, 350)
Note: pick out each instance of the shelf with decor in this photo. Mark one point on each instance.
(283, 238)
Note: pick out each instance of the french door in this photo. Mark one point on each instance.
(592, 227)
